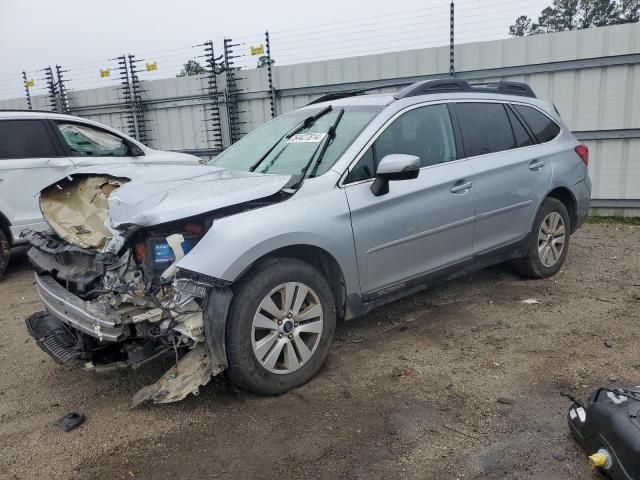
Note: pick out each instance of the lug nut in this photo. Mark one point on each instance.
(279, 335)
(279, 322)
(290, 336)
(295, 324)
(289, 315)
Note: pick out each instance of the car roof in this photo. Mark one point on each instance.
(46, 115)
(17, 114)
(435, 90)
(386, 99)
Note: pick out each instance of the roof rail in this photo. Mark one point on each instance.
(3, 110)
(506, 87)
(337, 96)
(452, 85)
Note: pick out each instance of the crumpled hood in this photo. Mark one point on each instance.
(160, 194)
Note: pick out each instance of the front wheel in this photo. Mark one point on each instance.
(280, 326)
(548, 242)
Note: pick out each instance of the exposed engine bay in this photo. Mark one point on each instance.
(115, 298)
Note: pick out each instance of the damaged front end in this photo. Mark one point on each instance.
(115, 298)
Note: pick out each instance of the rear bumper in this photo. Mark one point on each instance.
(582, 193)
(99, 323)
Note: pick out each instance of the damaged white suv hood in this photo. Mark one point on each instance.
(160, 194)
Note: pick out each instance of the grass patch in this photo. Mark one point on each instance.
(613, 220)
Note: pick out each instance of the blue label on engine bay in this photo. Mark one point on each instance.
(162, 252)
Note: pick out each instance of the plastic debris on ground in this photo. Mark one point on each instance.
(531, 301)
(70, 421)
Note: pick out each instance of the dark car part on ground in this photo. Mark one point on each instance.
(71, 421)
(607, 427)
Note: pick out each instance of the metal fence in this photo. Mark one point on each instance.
(592, 76)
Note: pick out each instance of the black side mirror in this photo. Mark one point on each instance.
(394, 167)
(135, 151)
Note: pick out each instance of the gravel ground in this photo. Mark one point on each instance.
(409, 391)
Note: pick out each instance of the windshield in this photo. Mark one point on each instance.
(291, 155)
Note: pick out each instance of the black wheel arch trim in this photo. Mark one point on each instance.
(216, 312)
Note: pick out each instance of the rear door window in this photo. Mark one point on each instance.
(485, 128)
(25, 139)
(542, 126)
(85, 140)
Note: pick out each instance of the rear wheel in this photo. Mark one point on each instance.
(5, 252)
(548, 242)
(280, 326)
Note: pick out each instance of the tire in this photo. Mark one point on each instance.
(545, 257)
(249, 320)
(5, 252)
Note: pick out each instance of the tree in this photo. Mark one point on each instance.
(191, 68)
(561, 16)
(598, 13)
(629, 11)
(564, 15)
(263, 61)
(522, 27)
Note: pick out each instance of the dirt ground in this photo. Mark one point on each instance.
(409, 391)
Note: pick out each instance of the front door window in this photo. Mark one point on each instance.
(425, 132)
(84, 140)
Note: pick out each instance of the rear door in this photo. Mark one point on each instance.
(422, 225)
(30, 159)
(510, 174)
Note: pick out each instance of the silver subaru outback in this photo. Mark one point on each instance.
(322, 214)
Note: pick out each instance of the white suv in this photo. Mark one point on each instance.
(37, 148)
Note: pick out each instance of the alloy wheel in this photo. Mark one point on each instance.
(551, 239)
(287, 327)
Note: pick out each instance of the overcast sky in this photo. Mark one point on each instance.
(85, 33)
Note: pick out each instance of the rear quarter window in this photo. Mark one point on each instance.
(542, 126)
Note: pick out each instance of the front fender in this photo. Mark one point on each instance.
(320, 219)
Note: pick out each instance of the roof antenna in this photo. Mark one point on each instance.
(452, 70)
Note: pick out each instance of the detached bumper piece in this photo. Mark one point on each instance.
(191, 372)
(54, 337)
(607, 427)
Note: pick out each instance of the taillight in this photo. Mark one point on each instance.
(583, 153)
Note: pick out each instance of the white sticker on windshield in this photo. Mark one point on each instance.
(307, 137)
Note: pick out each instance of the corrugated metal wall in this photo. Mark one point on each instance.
(593, 77)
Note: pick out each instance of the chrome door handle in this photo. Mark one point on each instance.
(463, 187)
(536, 165)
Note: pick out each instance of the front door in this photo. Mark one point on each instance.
(422, 225)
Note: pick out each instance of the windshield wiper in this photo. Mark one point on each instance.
(307, 122)
(320, 151)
